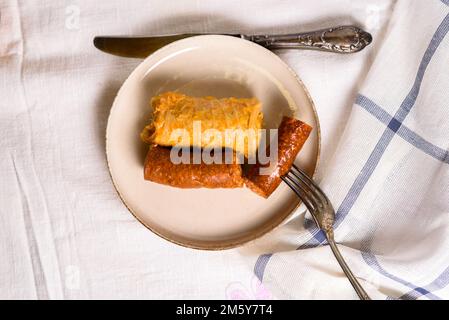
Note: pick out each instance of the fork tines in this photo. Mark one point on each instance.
(305, 188)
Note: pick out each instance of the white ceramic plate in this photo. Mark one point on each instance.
(218, 66)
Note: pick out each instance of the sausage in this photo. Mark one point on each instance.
(160, 169)
(292, 135)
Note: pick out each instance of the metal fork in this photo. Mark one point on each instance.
(324, 215)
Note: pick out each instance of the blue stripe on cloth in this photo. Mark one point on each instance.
(371, 260)
(357, 186)
(405, 108)
(261, 264)
(440, 282)
(378, 112)
(400, 116)
(382, 145)
(404, 132)
(445, 2)
(363, 177)
(317, 235)
(394, 125)
(318, 239)
(424, 145)
(410, 100)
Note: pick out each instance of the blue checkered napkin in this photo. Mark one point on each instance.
(389, 178)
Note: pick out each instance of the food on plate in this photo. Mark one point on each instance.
(197, 115)
(292, 135)
(160, 169)
(173, 111)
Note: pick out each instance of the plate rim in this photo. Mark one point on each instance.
(222, 244)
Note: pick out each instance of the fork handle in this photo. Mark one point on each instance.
(341, 261)
(344, 39)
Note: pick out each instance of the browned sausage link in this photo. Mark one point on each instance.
(292, 135)
(160, 169)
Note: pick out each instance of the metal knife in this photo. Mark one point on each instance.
(344, 39)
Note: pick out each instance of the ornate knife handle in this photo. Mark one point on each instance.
(345, 39)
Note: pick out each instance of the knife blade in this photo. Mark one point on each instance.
(343, 39)
(137, 47)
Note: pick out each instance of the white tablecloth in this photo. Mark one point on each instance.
(64, 234)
